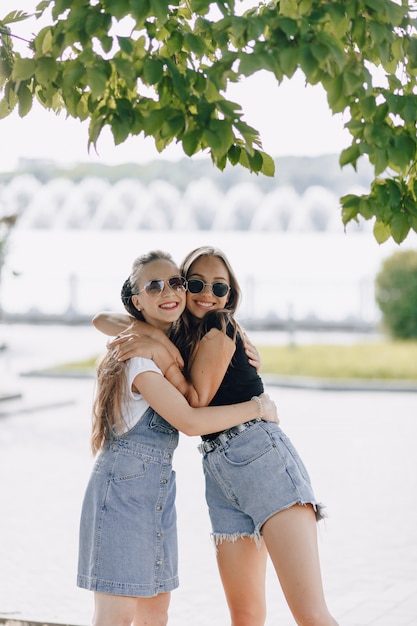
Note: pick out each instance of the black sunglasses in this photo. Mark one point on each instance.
(156, 287)
(195, 285)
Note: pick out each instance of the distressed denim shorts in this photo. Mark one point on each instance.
(128, 529)
(252, 471)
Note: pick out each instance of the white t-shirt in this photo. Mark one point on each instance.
(134, 404)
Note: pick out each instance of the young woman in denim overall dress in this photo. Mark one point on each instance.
(128, 538)
(258, 490)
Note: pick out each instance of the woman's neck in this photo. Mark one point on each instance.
(165, 328)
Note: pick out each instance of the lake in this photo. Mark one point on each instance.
(325, 275)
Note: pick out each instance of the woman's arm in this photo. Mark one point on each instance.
(131, 345)
(123, 326)
(174, 408)
(111, 323)
(213, 356)
(209, 366)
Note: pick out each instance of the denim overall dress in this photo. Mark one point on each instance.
(128, 530)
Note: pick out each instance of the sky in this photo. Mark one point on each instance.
(292, 118)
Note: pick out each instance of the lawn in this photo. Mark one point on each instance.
(384, 361)
(390, 360)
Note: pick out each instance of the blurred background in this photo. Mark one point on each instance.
(74, 231)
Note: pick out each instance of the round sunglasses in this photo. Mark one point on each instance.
(155, 287)
(195, 285)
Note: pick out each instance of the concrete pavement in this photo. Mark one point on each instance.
(358, 447)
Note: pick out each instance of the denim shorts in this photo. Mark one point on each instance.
(128, 529)
(252, 471)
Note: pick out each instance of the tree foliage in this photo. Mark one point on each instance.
(396, 294)
(162, 68)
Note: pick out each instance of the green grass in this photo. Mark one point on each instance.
(384, 361)
(379, 361)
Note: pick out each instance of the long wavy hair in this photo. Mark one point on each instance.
(107, 418)
(191, 331)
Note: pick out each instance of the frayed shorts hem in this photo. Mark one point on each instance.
(218, 537)
(127, 589)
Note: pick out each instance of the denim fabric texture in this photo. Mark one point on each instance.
(128, 529)
(251, 475)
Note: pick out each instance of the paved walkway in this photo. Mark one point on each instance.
(359, 448)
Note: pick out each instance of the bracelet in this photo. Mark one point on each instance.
(260, 405)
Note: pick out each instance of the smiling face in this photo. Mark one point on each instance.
(209, 269)
(159, 309)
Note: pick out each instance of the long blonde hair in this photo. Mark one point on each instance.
(107, 418)
(190, 333)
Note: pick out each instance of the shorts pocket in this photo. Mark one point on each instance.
(248, 446)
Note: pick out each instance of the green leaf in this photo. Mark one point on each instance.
(412, 53)
(352, 83)
(268, 164)
(25, 100)
(219, 136)
(289, 8)
(366, 207)
(152, 71)
(73, 72)
(153, 121)
(200, 6)
(160, 9)
(119, 8)
(400, 227)
(120, 130)
(95, 128)
(255, 161)
(191, 142)
(46, 70)
(350, 155)
(125, 70)
(350, 208)
(251, 63)
(381, 161)
(15, 16)
(234, 154)
(382, 232)
(335, 93)
(289, 26)
(173, 127)
(140, 9)
(23, 69)
(395, 12)
(97, 81)
(403, 152)
(410, 109)
(47, 41)
(195, 44)
(8, 103)
(308, 63)
(288, 60)
(174, 43)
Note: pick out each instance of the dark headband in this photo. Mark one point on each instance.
(126, 296)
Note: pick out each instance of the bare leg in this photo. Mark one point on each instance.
(291, 539)
(242, 567)
(152, 611)
(112, 610)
